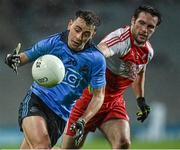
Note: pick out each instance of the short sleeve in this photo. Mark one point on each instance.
(98, 72)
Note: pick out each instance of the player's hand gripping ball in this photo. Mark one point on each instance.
(48, 71)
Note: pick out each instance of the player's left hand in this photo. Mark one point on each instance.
(144, 109)
(78, 127)
(13, 60)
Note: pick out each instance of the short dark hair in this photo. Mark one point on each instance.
(89, 16)
(149, 9)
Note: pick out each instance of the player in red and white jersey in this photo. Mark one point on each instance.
(127, 51)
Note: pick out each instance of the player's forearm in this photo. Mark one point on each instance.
(94, 105)
(138, 85)
(92, 108)
(104, 49)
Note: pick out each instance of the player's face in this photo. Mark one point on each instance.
(79, 34)
(143, 27)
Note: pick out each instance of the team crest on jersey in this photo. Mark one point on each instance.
(72, 61)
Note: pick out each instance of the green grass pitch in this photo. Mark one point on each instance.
(101, 143)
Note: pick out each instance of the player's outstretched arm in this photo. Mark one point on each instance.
(93, 107)
(95, 104)
(16, 59)
(138, 88)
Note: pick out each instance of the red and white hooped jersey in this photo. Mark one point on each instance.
(126, 59)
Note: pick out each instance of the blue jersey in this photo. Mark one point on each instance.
(81, 69)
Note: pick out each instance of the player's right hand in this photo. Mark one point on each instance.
(78, 127)
(13, 60)
(144, 109)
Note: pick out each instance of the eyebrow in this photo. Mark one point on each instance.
(77, 26)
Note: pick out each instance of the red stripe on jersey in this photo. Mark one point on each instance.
(112, 39)
(122, 38)
(116, 37)
(114, 31)
(113, 42)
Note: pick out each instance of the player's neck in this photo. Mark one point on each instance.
(138, 44)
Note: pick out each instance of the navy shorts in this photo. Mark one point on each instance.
(32, 105)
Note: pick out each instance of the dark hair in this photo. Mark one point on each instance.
(90, 17)
(148, 9)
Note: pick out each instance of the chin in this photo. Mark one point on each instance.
(76, 48)
(140, 42)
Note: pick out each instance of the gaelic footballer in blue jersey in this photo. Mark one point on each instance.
(44, 111)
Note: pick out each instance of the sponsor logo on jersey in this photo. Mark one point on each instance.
(129, 69)
(72, 78)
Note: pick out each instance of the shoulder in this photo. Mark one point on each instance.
(49, 40)
(94, 50)
(117, 34)
(97, 55)
(118, 41)
(54, 37)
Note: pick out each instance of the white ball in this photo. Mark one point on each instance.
(48, 70)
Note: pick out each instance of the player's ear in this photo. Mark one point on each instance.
(132, 20)
(69, 24)
(94, 33)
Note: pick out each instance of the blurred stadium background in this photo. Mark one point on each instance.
(29, 21)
